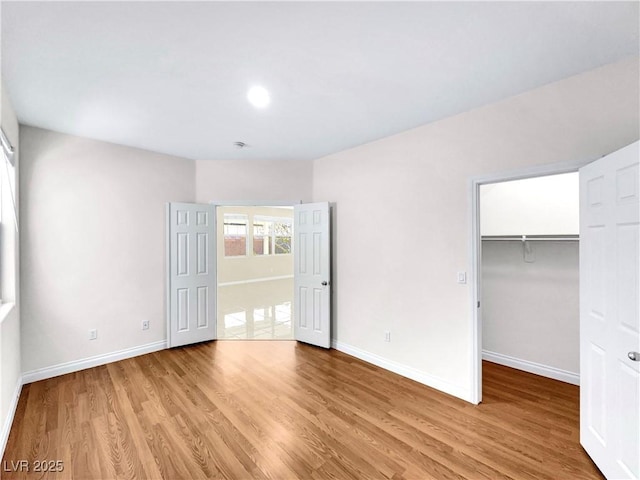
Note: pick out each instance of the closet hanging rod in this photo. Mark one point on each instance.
(532, 238)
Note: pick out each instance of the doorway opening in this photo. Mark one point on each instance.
(525, 272)
(529, 271)
(254, 272)
(196, 239)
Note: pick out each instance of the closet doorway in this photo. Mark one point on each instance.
(529, 272)
(548, 208)
(254, 272)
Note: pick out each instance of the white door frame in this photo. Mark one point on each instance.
(249, 203)
(475, 248)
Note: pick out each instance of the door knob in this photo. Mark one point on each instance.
(325, 283)
(635, 356)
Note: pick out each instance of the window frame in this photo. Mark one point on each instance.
(274, 221)
(237, 217)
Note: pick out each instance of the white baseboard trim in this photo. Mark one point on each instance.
(404, 370)
(532, 367)
(255, 280)
(8, 421)
(76, 365)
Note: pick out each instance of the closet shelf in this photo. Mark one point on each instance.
(531, 238)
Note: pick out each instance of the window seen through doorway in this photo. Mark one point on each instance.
(271, 236)
(235, 235)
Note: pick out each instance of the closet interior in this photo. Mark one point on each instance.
(530, 275)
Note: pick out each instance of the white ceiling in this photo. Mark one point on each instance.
(172, 76)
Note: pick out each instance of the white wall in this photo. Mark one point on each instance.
(531, 310)
(253, 180)
(93, 244)
(534, 206)
(93, 238)
(402, 214)
(10, 368)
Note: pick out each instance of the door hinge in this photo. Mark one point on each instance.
(478, 303)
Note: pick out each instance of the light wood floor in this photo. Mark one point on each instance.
(283, 410)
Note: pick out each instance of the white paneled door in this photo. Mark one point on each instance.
(610, 313)
(312, 274)
(191, 280)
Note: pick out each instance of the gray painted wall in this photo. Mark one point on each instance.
(531, 310)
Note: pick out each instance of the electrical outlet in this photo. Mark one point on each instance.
(93, 334)
(145, 324)
(387, 336)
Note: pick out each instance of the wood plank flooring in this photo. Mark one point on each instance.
(282, 410)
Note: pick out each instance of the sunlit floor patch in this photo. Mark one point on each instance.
(259, 310)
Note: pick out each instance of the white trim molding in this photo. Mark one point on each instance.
(532, 367)
(8, 149)
(404, 370)
(8, 421)
(5, 310)
(255, 280)
(254, 203)
(95, 361)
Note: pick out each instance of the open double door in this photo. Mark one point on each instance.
(191, 274)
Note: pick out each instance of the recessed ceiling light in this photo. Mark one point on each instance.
(258, 96)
